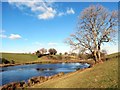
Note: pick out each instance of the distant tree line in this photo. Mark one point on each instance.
(43, 52)
(51, 54)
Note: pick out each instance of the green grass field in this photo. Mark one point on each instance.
(19, 58)
(29, 58)
(103, 75)
(114, 55)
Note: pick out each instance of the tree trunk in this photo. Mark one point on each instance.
(95, 56)
(99, 54)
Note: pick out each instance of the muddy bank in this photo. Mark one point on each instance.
(32, 81)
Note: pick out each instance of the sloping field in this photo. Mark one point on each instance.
(103, 75)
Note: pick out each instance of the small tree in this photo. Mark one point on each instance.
(43, 50)
(52, 51)
(65, 53)
(60, 53)
(38, 53)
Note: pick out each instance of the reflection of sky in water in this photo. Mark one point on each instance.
(24, 72)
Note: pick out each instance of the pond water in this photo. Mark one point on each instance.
(24, 72)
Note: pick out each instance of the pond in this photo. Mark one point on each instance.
(24, 72)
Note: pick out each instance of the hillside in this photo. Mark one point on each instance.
(19, 58)
(103, 75)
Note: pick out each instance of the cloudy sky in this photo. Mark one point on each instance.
(29, 26)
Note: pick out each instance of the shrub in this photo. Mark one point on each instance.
(60, 53)
(59, 57)
(52, 57)
(67, 57)
(12, 62)
(65, 53)
(4, 61)
(85, 56)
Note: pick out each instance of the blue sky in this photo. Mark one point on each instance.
(27, 27)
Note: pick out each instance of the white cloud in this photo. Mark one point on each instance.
(42, 10)
(61, 14)
(50, 13)
(14, 36)
(70, 11)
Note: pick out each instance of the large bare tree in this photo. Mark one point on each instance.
(96, 25)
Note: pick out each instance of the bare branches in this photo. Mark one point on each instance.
(96, 25)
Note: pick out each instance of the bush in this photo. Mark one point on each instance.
(59, 57)
(103, 56)
(52, 57)
(4, 61)
(67, 57)
(85, 56)
(12, 62)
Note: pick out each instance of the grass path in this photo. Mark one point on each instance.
(104, 75)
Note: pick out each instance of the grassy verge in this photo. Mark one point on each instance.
(104, 75)
(19, 58)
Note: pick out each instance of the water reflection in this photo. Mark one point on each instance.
(24, 72)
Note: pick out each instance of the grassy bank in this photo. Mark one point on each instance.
(32, 59)
(103, 75)
(19, 58)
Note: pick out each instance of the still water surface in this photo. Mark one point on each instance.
(24, 72)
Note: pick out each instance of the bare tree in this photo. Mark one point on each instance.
(43, 50)
(96, 25)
